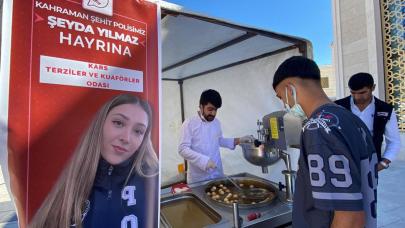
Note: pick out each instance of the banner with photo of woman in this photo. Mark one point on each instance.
(80, 111)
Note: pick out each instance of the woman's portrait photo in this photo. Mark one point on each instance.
(112, 177)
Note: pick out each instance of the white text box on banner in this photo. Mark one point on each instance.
(61, 71)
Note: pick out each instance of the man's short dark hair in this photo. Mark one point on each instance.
(296, 66)
(211, 96)
(361, 80)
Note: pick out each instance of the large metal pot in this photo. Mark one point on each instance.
(246, 183)
(257, 157)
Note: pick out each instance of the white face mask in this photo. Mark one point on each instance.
(296, 109)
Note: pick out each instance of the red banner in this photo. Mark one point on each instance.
(65, 63)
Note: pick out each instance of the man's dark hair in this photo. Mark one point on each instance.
(211, 96)
(361, 80)
(296, 66)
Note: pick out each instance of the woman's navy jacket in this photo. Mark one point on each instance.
(111, 204)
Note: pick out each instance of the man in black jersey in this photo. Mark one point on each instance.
(336, 183)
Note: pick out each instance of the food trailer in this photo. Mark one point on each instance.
(199, 53)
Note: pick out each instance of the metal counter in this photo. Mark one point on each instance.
(277, 213)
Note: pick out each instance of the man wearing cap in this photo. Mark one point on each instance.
(376, 114)
(336, 183)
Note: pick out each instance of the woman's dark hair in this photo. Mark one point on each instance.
(211, 96)
(361, 80)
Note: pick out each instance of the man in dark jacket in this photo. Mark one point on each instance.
(376, 114)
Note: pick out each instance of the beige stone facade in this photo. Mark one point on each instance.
(357, 43)
(328, 80)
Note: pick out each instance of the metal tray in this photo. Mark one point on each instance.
(186, 210)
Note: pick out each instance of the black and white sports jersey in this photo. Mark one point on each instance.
(337, 169)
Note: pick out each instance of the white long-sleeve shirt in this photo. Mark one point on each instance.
(391, 132)
(199, 142)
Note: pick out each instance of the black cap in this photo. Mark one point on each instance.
(296, 66)
(361, 80)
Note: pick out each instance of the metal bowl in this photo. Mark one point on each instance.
(247, 182)
(257, 157)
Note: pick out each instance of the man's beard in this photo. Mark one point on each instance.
(209, 117)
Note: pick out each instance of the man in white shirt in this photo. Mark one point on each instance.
(201, 137)
(378, 115)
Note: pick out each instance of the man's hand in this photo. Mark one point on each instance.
(381, 167)
(343, 219)
(247, 139)
(210, 165)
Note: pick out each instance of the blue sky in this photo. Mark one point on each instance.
(309, 19)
